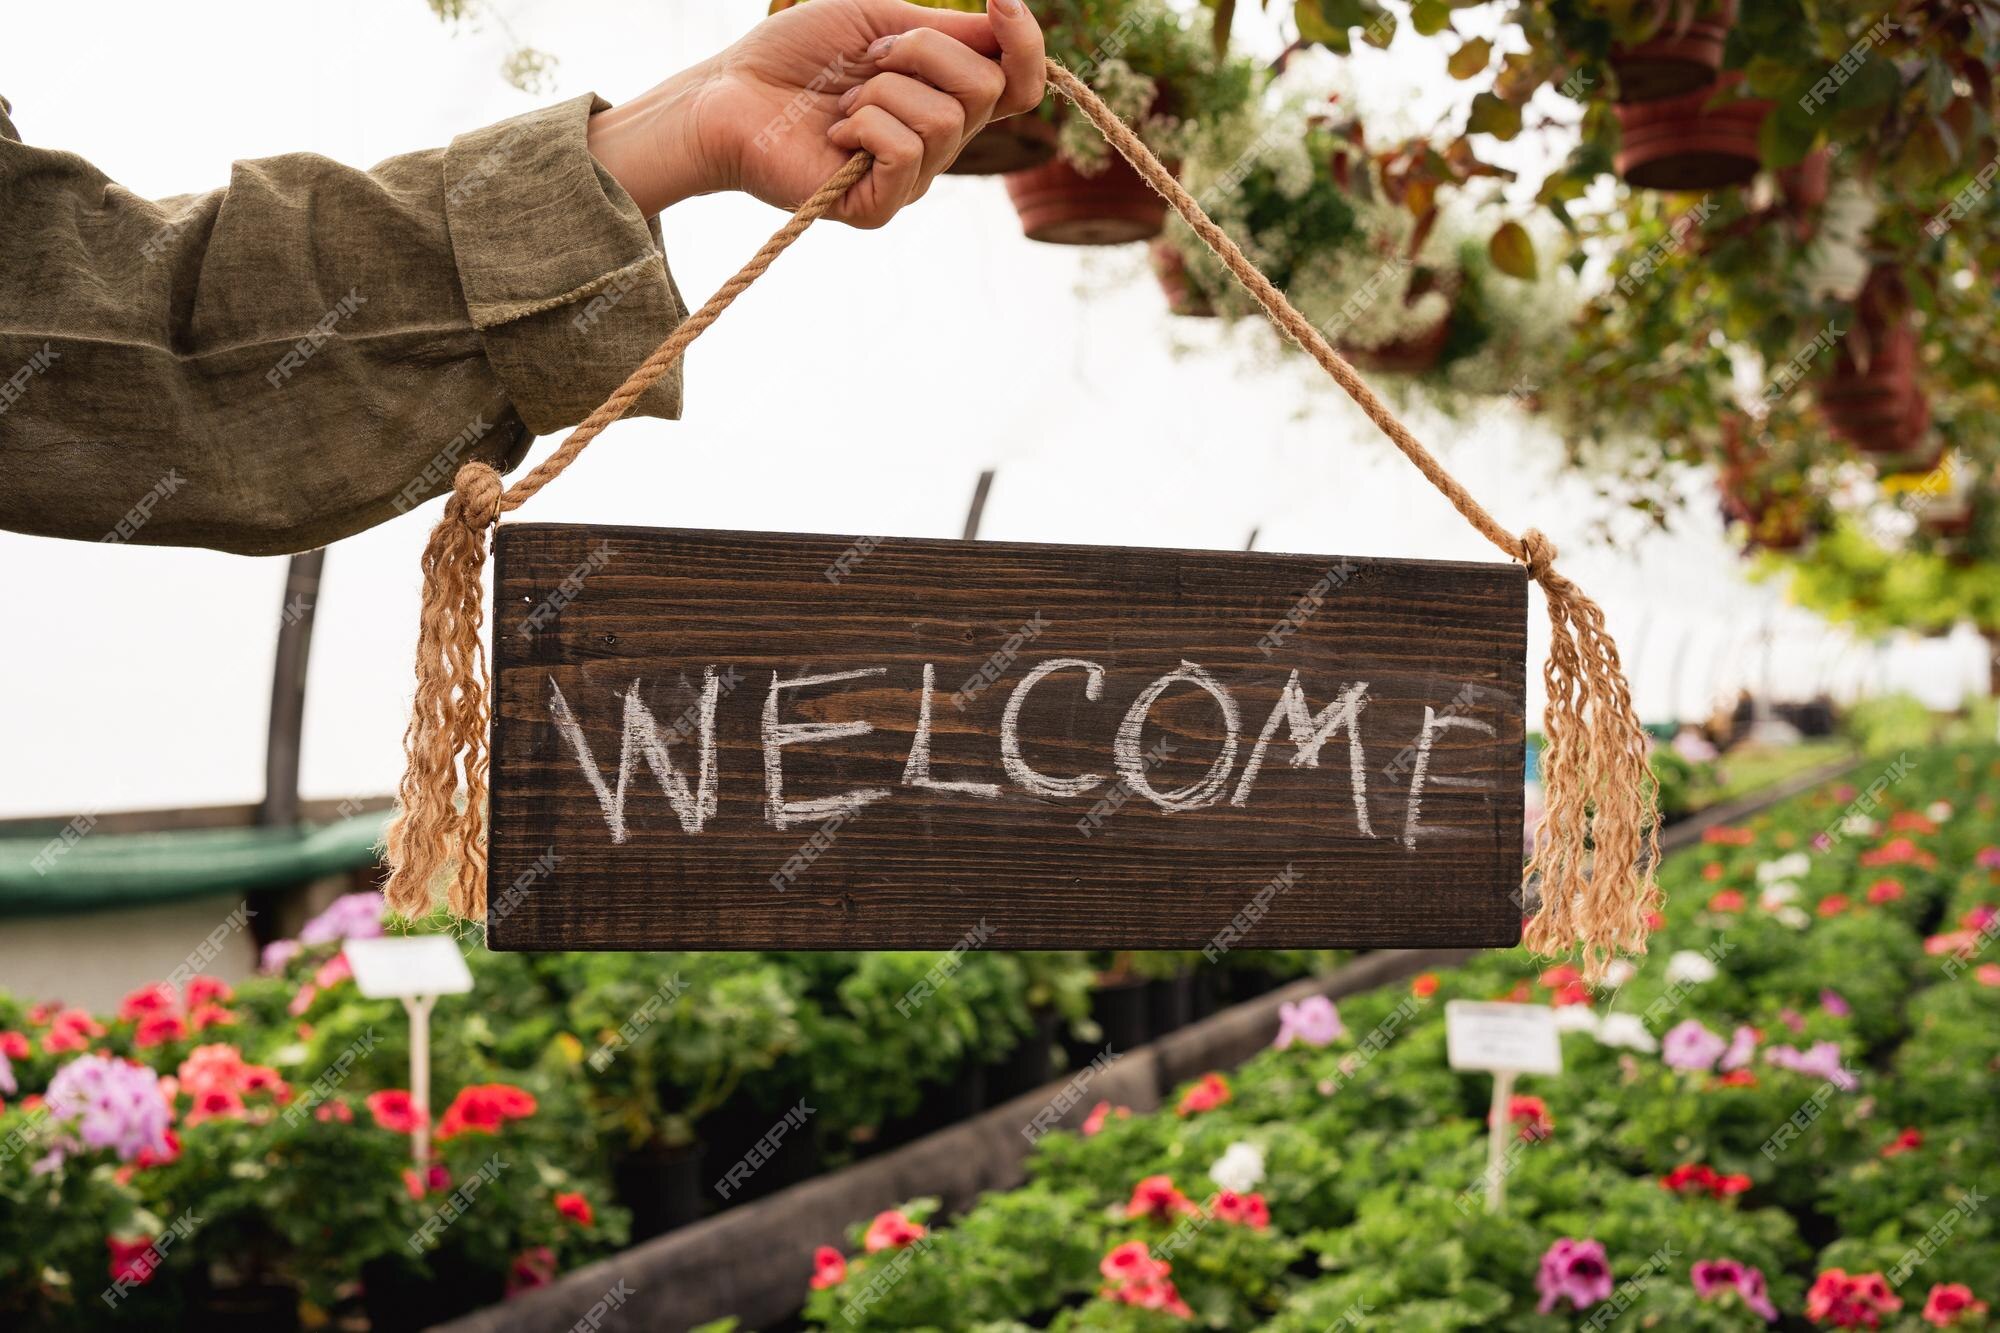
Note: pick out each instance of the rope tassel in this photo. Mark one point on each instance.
(1596, 887)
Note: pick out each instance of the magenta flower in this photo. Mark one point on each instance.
(1988, 858)
(1312, 1020)
(1576, 1271)
(276, 954)
(1742, 1045)
(1835, 1003)
(352, 916)
(111, 1104)
(7, 1084)
(1714, 1278)
(1689, 1045)
(1822, 1060)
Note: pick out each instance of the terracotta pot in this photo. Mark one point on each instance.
(1805, 183)
(1683, 143)
(1014, 144)
(1411, 355)
(1878, 409)
(1672, 63)
(1170, 267)
(1061, 206)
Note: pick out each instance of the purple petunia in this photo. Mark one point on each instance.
(1742, 1045)
(1576, 1271)
(1822, 1060)
(352, 916)
(1689, 1045)
(111, 1104)
(1312, 1020)
(276, 954)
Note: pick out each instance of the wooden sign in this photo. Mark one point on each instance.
(728, 740)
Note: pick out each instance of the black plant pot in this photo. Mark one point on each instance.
(732, 1134)
(258, 1307)
(1169, 1004)
(1026, 1067)
(400, 1299)
(663, 1186)
(1119, 1010)
(944, 1104)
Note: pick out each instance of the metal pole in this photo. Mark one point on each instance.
(280, 807)
(978, 509)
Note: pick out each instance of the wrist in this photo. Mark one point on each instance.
(652, 145)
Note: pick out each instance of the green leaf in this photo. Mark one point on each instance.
(1313, 25)
(1512, 251)
(1491, 115)
(1470, 59)
(1785, 137)
(1430, 17)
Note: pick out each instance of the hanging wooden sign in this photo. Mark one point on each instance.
(726, 740)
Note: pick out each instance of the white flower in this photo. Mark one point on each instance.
(1777, 895)
(1617, 972)
(1785, 867)
(1793, 917)
(1576, 1018)
(1628, 1031)
(1240, 1168)
(1689, 966)
(1938, 811)
(1859, 826)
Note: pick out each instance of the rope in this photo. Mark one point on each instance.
(1598, 839)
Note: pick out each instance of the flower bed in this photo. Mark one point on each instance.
(205, 1143)
(1787, 1113)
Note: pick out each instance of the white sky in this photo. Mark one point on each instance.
(858, 389)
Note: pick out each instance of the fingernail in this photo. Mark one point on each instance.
(881, 46)
(835, 128)
(847, 98)
(1010, 8)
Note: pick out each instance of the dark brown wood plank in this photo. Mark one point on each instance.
(590, 614)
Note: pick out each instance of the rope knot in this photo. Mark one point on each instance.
(475, 497)
(1538, 553)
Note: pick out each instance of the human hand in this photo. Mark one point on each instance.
(778, 112)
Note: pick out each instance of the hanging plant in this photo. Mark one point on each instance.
(1872, 398)
(1701, 140)
(1185, 297)
(1681, 54)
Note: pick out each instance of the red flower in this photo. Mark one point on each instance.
(215, 1104)
(1910, 821)
(1211, 1092)
(71, 1030)
(1562, 974)
(1133, 1262)
(531, 1268)
(435, 1177)
(395, 1111)
(1729, 900)
(891, 1230)
(156, 998)
(481, 1108)
(206, 1016)
(334, 1110)
(132, 1260)
(1243, 1209)
(1885, 891)
(1155, 1196)
(1425, 985)
(577, 1208)
(1103, 1111)
(1152, 1294)
(1833, 904)
(208, 990)
(159, 1029)
(14, 1045)
(1728, 837)
(1963, 943)
(829, 1268)
(1987, 974)
(147, 1157)
(333, 971)
(1573, 993)
(1857, 1301)
(1712, 871)
(1737, 1078)
(1908, 1141)
(1531, 1116)
(1949, 1302)
(1655, 919)
(1899, 852)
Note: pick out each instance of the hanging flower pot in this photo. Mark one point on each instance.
(1685, 55)
(1413, 352)
(1871, 398)
(1805, 182)
(1693, 141)
(1170, 268)
(1060, 205)
(1014, 144)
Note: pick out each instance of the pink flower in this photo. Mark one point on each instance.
(1248, 1210)
(1821, 1061)
(334, 1110)
(891, 1230)
(1950, 1302)
(1133, 1262)
(395, 1111)
(1742, 1045)
(435, 1178)
(208, 990)
(158, 1030)
(132, 1260)
(1834, 1003)
(156, 998)
(1155, 1196)
(1313, 1020)
(1885, 891)
(203, 1017)
(1530, 1116)
(1987, 974)
(1959, 943)
(1857, 1301)
(1729, 900)
(1210, 1092)
(1899, 852)
(1980, 917)
(829, 1268)
(14, 1045)
(1151, 1294)
(1103, 1111)
(1719, 1278)
(1833, 904)
(531, 1268)
(1689, 1045)
(1576, 1271)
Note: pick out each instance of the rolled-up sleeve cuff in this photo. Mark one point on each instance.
(566, 283)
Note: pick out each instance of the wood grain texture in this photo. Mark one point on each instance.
(591, 611)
